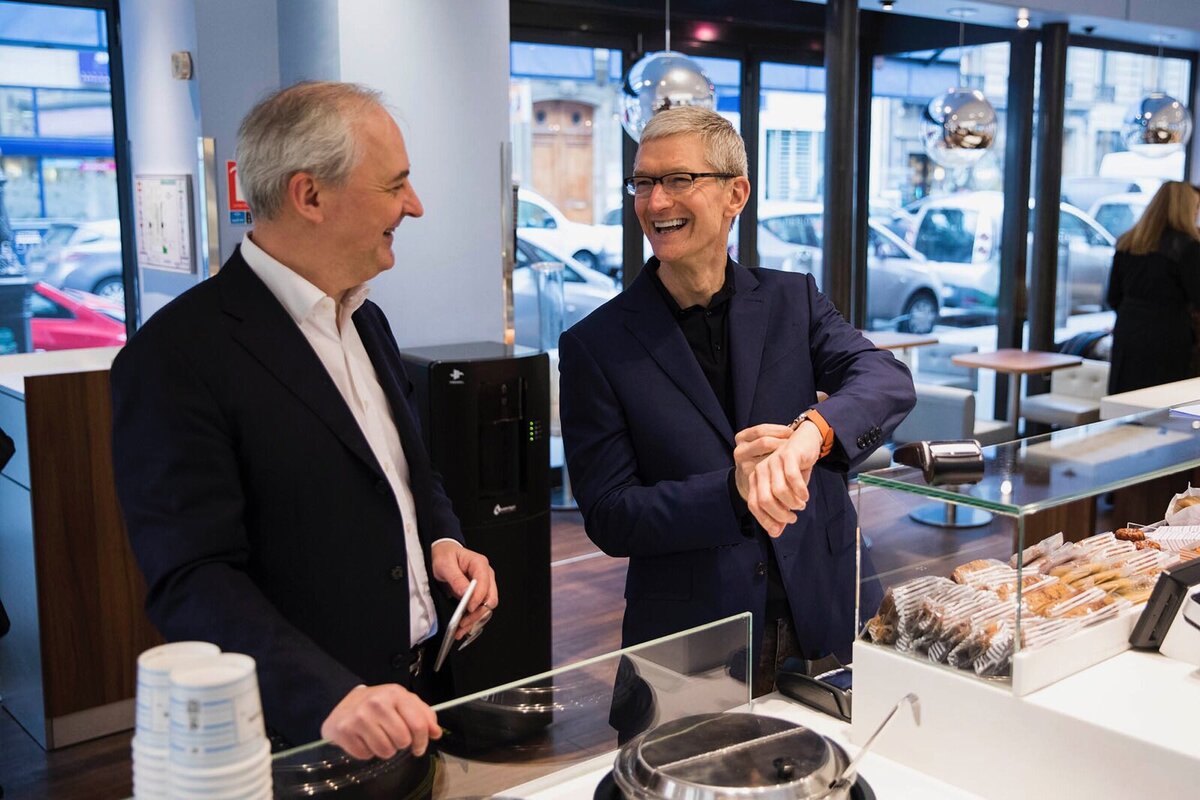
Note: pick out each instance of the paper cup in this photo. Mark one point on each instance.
(154, 681)
(216, 713)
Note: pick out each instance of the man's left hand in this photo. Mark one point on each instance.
(778, 486)
(457, 566)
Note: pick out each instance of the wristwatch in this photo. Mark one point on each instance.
(798, 421)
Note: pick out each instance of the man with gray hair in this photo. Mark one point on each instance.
(268, 456)
(676, 399)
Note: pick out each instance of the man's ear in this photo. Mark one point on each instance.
(304, 196)
(738, 196)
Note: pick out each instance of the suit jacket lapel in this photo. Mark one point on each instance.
(384, 354)
(649, 320)
(264, 328)
(748, 313)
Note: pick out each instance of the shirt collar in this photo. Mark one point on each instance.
(297, 295)
(722, 296)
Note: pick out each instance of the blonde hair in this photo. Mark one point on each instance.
(724, 149)
(1173, 207)
(307, 127)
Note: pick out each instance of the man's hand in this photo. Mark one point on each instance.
(779, 463)
(752, 446)
(381, 721)
(457, 566)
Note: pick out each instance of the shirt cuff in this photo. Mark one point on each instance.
(456, 541)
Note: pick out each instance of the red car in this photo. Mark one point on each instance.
(66, 319)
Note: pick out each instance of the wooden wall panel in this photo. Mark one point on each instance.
(91, 593)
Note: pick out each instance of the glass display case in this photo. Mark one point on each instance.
(527, 738)
(1023, 577)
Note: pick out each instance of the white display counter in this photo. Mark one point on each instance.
(1123, 728)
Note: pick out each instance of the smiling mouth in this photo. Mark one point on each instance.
(668, 225)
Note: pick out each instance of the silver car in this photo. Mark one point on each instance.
(584, 290)
(901, 289)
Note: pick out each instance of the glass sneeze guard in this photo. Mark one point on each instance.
(1042, 472)
(567, 721)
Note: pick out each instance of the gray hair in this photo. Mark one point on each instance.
(723, 146)
(308, 127)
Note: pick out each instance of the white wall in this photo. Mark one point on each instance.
(163, 113)
(308, 41)
(237, 63)
(443, 67)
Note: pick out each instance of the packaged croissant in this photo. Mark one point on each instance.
(956, 625)
(1184, 508)
(996, 659)
(1031, 555)
(962, 573)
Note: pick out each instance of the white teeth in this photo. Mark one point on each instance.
(669, 224)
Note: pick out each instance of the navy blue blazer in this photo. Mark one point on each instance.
(256, 509)
(649, 450)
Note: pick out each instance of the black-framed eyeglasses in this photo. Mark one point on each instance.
(672, 183)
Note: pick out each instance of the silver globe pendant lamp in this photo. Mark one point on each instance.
(1158, 124)
(958, 126)
(660, 81)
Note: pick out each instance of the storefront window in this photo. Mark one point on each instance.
(934, 230)
(566, 134)
(58, 161)
(1105, 187)
(791, 163)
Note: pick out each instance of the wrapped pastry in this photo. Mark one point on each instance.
(961, 573)
(1036, 552)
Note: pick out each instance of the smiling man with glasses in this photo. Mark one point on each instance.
(676, 400)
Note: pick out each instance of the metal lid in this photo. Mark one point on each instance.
(727, 756)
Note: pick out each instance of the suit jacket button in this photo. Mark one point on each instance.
(397, 573)
(381, 486)
(400, 661)
(760, 569)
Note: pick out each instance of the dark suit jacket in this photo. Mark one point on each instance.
(650, 450)
(256, 509)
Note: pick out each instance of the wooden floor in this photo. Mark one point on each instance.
(588, 602)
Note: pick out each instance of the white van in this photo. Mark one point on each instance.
(960, 234)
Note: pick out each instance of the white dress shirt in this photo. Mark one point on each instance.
(328, 327)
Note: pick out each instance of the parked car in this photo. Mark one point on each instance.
(1117, 213)
(81, 255)
(584, 290)
(543, 224)
(901, 289)
(67, 319)
(960, 235)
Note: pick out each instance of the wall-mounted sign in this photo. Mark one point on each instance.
(163, 206)
(236, 201)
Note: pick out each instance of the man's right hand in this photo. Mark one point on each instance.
(752, 446)
(380, 721)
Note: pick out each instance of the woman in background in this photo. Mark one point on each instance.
(1155, 280)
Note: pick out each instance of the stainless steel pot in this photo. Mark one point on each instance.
(739, 756)
(731, 756)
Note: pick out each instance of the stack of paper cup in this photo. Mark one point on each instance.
(218, 746)
(151, 745)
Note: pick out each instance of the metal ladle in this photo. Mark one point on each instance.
(849, 774)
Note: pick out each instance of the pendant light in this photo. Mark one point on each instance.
(1158, 124)
(960, 125)
(663, 80)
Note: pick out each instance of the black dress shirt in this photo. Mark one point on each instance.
(706, 329)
